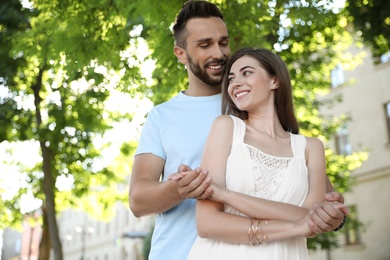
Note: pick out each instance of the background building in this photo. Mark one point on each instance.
(12, 241)
(83, 237)
(365, 95)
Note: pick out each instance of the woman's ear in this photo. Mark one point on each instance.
(275, 83)
(180, 54)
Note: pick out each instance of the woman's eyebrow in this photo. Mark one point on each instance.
(243, 68)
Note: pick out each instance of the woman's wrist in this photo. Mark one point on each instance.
(302, 228)
(218, 193)
(223, 195)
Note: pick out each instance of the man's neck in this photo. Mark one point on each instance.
(202, 90)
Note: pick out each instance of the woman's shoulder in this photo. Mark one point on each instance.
(224, 120)
(314, 143)
(229, 119)
(223, 124)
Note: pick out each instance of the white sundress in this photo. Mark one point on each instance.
(283, 179)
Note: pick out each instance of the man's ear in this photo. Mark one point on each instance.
(180, 54)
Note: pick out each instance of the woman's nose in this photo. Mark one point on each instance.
(235, 83)
(233, 86)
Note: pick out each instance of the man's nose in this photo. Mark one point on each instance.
(217, 52)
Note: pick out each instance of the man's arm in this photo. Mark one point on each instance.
(148, 195)
(330, 214)
(330, 188)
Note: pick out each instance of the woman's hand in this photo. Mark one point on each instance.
(303, 227)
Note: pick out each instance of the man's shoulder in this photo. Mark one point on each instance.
(173, 100)
(164, 105)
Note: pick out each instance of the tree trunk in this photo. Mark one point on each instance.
(48, 187)
(44, 245)
(48, 179)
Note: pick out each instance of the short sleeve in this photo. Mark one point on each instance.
(150, 140)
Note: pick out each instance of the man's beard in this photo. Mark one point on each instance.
(202, 75)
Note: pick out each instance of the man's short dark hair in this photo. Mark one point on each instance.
(192, 9)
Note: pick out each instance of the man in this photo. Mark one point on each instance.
(175, 133)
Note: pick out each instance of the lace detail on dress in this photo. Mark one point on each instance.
(268, 172)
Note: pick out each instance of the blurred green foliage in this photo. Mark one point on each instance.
(69, 56)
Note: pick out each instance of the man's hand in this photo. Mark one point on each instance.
(328, 215)
(334, 196)
(192, 183)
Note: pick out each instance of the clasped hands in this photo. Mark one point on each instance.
(192, 183)
(324, 217)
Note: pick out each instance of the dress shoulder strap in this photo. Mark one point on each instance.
(238, 130)
(298, 145)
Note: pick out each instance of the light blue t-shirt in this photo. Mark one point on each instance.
(177, 131)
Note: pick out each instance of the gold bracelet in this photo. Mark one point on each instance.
(265, 235)
(258, 237)
(251, 231)
(254, 232)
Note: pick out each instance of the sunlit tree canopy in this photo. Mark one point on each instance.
(63, 64)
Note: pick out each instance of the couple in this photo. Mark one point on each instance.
(259, 181)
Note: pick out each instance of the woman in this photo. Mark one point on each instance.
(266, 176)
